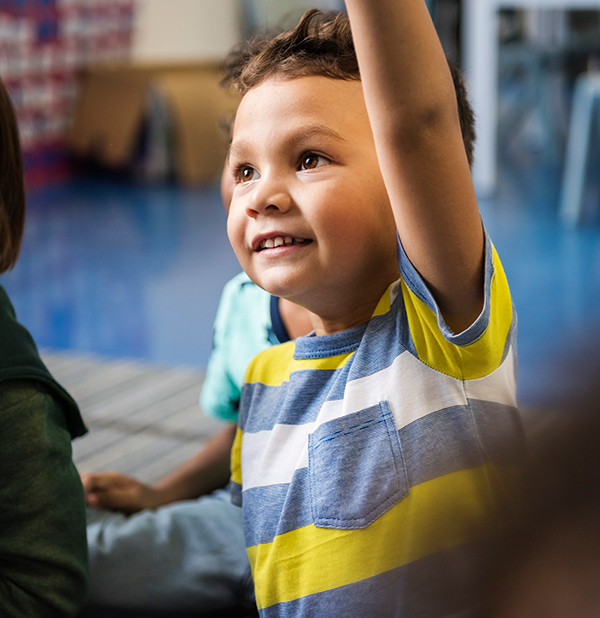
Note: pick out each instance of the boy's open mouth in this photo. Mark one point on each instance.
(281, 241)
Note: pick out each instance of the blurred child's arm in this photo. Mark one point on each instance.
(203, 473)
(413, 112)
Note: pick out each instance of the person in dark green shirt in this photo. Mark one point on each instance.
(43, 550)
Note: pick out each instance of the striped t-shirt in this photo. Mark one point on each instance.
(370, 461)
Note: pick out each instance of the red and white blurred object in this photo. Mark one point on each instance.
(44, 46)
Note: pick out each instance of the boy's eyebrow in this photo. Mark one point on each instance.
(315, 130)
(322, 131)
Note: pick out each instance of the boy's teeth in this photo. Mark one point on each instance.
(278, 241)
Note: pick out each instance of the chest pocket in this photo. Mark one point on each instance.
(356, 468)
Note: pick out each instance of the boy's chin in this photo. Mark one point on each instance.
(276, 290)
(265, 284)
(274, 284)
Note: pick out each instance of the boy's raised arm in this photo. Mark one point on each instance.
(412, 107)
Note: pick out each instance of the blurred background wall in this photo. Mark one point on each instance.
(180, 30)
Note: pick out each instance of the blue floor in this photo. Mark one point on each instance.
(554, 274)
(114, 268)
(122, 270)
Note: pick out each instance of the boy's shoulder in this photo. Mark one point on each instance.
(272, 366)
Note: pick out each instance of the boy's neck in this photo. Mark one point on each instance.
(357, 310)
(329, 326)
(296, 319)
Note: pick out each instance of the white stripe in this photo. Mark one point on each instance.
(276, 454)
(412, 389)
(394, 291)
(498, 387)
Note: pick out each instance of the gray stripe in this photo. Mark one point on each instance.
(295, 402)
(459, 438)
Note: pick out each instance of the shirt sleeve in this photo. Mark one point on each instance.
(43, 549)
(220, 394)
(479, 349)
(242, 329)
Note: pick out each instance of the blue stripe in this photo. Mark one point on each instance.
(263, 507)
(295, 402)
(510, 345)
(500, 432)
(325, 346)
(236, 493)
(450, 440)
(459, 438)
(416, 284)
(387, 336)
(383, 343)
(403, 331)
(432, 587)
(440, 443)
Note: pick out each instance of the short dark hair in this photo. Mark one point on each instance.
(321, 44)
(12, 190)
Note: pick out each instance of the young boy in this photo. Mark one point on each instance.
(370, 455)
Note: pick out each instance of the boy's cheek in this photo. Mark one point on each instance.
(233, 233)
(240, 253)
(240, 248)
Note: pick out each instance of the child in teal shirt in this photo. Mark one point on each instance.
(182, 547)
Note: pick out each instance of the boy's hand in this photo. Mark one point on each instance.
(116, 491)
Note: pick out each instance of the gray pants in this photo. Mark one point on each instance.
(186, 555)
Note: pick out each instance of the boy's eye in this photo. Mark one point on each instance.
(246, 173)
(311, 160)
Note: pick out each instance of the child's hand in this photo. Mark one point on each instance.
(116, 491)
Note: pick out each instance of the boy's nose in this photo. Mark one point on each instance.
(269, 198)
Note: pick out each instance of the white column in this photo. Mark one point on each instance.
(480, 63)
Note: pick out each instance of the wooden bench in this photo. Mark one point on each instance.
(143, 420)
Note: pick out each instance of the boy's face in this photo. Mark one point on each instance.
(310, 219)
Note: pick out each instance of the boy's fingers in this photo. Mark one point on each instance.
(104, 480)
(103, 498)
(91, 499)
(113, 490)
(125, 497)
(88, 481)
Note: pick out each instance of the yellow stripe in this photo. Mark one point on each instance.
(236, 457)
(384, 304)
(473, 361)
(439, 514)
(274, 366)
(329, 362)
